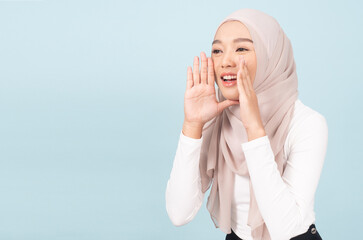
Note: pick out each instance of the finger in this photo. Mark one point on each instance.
(196, 70)
(240, 87)
(241, 90)
(203, 70)
(189, 78)
(244, 81)
(210, 72)
(249, 82)
(225, 104)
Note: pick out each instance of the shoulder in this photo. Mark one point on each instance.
(305, 117)
(307, 126)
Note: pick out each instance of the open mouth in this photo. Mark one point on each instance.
(229, 78)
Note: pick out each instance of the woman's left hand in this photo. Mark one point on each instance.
(250, 112)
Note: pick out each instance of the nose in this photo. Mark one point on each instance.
(228, 60)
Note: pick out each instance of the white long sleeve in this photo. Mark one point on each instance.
(286, 202)
(183, 192)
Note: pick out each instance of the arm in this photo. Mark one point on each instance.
(183, 192)
(183, 195)
(284, 200)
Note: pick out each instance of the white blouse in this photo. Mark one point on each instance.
(286, 202)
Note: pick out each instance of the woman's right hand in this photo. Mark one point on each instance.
(200, 102)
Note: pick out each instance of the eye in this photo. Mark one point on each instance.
(215, 51)
(242, 48)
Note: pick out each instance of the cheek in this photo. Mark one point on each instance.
(251, 67)
(215, 65)
(215, 62)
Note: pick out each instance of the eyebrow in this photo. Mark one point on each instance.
(235, 40)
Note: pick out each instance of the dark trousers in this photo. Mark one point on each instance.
(310, 234)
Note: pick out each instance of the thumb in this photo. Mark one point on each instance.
(226, 103)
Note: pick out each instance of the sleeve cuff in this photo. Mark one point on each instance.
(255, 143)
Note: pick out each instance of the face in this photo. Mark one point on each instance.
(231, 40)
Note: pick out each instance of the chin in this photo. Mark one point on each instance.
(230, 93)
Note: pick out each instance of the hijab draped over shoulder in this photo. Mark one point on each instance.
(275, 86)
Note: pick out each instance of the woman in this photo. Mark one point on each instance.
(258, 147)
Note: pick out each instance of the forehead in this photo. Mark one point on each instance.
(232, 30)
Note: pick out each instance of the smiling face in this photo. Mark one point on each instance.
(231, 40)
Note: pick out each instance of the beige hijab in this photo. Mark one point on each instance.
(275, 85)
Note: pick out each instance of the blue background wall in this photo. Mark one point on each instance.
(91, 108)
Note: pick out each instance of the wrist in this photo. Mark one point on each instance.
(254, 133)
(192, 129)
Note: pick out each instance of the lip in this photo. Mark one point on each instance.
(229, 83)
(228, 73)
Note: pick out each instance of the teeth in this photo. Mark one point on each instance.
(228, 77)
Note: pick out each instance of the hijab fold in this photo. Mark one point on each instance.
(275, 86)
